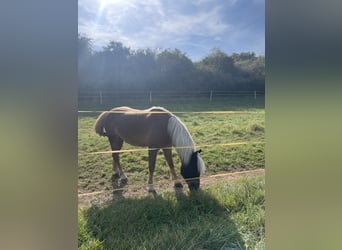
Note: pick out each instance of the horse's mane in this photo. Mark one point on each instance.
(200, 165)
(157, 108)
(181, 139)
(183, 142)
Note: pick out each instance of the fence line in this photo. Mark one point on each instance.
(141, 186)
(148, 149)
(178, 112)
(150, 96)
(169, 91)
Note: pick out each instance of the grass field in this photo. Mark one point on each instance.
(221, 216)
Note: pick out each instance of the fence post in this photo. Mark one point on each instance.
(150, 97)
(211, 95)
(254, 94)
(100, 97)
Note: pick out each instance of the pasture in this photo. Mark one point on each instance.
(222, 215)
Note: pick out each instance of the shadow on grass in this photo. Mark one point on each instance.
(118, 188)
(194, 220)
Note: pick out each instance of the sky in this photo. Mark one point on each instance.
(195, 27)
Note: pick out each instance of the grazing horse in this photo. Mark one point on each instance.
(155, 128)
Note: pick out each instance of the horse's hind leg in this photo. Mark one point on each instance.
(152, 156)
(116, 144)
(168, 158)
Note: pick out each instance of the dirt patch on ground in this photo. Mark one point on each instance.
(123, 190)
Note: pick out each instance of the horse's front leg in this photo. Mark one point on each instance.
(116, 144)
(152, 156)
(168, 158)
(118, 172)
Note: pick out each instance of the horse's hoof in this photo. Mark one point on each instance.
(124, 181)
(151, 190)
(178, 185)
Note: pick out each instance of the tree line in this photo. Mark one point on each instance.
(118, 67)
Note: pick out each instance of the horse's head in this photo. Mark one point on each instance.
(192, 171)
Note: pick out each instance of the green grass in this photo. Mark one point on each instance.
(222, 216)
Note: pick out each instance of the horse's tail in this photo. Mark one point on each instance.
(100, 122)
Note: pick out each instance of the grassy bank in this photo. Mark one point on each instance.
(221, 216)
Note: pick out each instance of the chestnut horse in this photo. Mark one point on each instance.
(155, 128)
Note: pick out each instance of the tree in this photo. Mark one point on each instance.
(143, 69)
(85, 57)
(119, 67)
(218, 62)
(220, 67)
(175, 69)
(252, 69)
(84, 47)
